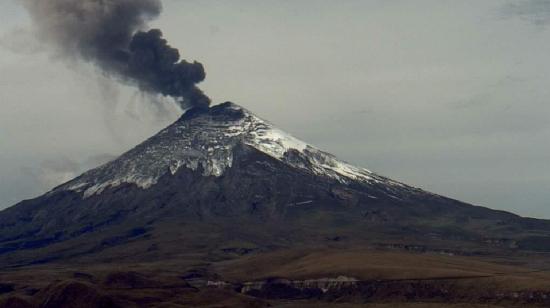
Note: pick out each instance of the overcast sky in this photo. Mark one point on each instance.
(450, 96)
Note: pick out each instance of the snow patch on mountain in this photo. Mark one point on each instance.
(205, 142)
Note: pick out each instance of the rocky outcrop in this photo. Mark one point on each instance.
(324, 285)
(349, 289)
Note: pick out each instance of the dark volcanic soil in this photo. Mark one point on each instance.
(322, 278)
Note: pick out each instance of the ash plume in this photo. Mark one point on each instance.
(112, 35)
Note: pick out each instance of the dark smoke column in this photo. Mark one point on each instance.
(110, 34)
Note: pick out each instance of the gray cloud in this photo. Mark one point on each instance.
(535, 11)
(20, 40)
(52, 172)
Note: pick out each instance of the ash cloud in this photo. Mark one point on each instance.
(113, 35)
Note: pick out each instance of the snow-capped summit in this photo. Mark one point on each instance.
(207, 140)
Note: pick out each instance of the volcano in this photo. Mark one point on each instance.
(223, 209)
(224, 183)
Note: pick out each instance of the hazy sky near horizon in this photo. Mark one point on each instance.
(449, 96)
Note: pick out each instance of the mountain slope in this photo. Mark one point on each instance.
(225, 182)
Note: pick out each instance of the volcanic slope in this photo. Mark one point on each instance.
(225, 182)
